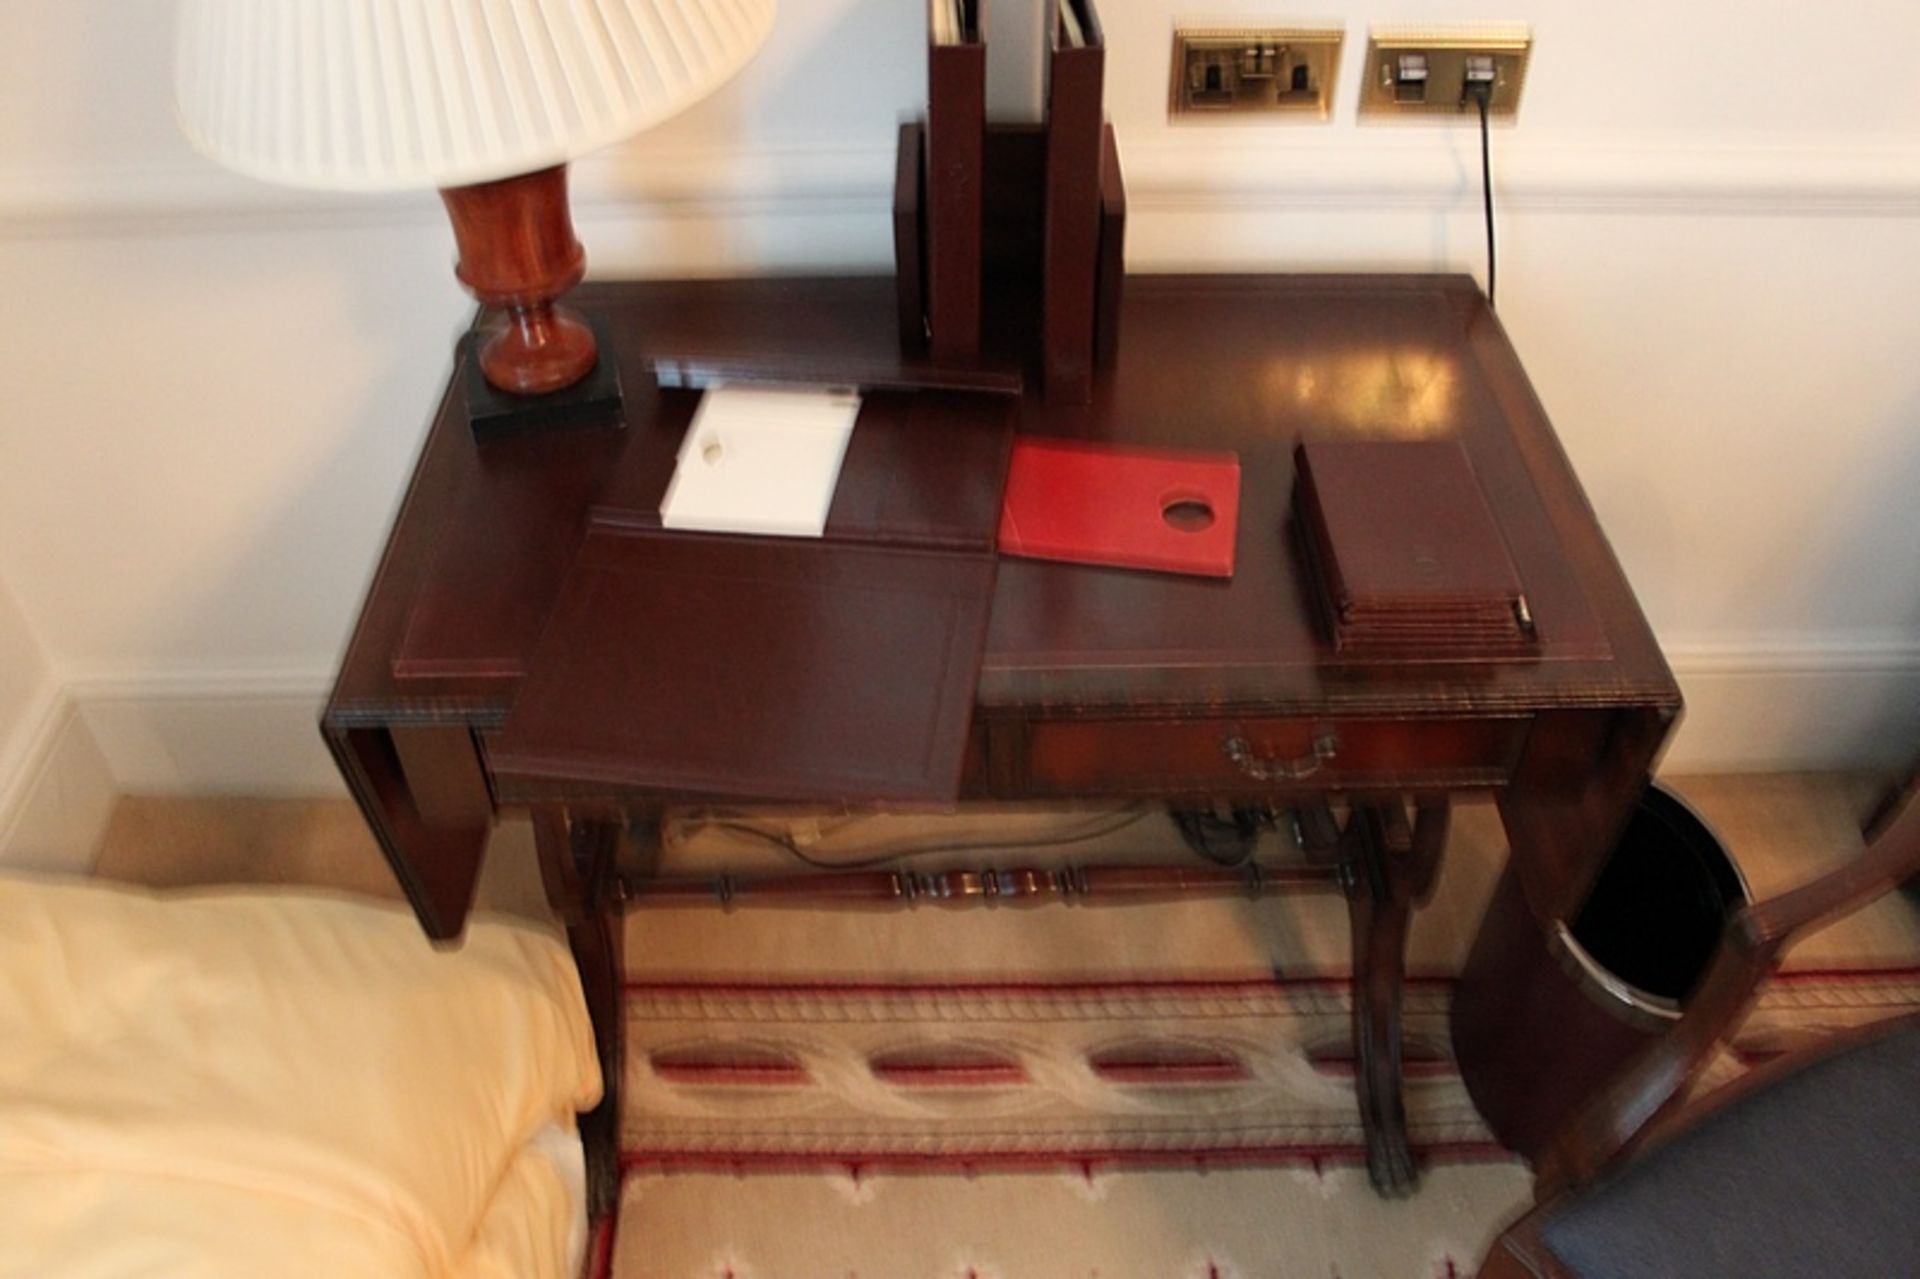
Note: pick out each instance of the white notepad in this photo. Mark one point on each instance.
(761, 461)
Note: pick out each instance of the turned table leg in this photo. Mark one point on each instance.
(1387, 869)
(578, 858)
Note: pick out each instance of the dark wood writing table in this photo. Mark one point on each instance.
(1097, 683)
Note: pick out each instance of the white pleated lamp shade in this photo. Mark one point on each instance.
(383, 94)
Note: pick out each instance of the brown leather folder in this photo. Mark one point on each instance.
(706, 665)
(817, 670)
(1406, 550)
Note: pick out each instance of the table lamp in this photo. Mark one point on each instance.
(486, 100)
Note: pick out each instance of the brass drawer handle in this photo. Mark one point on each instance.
(1241, 752)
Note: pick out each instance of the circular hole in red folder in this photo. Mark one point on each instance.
(1187, 512)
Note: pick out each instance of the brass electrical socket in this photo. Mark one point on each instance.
(1423, 70)
(1243, 72)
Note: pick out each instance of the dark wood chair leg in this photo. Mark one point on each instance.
(579, 865)
(1387, 869)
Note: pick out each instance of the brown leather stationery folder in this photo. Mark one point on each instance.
(826, 669)
(1405, 550)
(777, 668)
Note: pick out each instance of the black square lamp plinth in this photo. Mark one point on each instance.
(593, 401)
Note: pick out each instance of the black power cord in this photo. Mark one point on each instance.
(1227, 838)
(1480, 91)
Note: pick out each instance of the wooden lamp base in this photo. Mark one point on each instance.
(518, 253)
(542, 349)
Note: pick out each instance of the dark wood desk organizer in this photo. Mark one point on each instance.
(1405, 555)
(1008, 239)
(949, 173)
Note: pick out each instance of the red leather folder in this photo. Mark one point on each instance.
(1176, 511)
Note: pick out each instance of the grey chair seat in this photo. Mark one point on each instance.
(1818, 1174)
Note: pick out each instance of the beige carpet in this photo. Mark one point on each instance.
(1265, 1223)
(167, 842)
(717, 988)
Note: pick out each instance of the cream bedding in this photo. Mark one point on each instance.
(226, 1084)
(537, 1223)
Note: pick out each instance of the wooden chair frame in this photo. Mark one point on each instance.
(1636, 1110)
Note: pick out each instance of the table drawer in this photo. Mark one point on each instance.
(1224, 756)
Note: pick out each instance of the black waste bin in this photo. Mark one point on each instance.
(1543, 1016)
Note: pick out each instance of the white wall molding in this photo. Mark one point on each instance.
(1754, 705)
(213, 730)
(102, 684)
(1817, 655)
(198, 198)
(1199, 169)
(24, 752)
(1373, 170)
(1761, 706)
(58, 792)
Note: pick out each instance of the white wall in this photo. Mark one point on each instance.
(213, 390)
